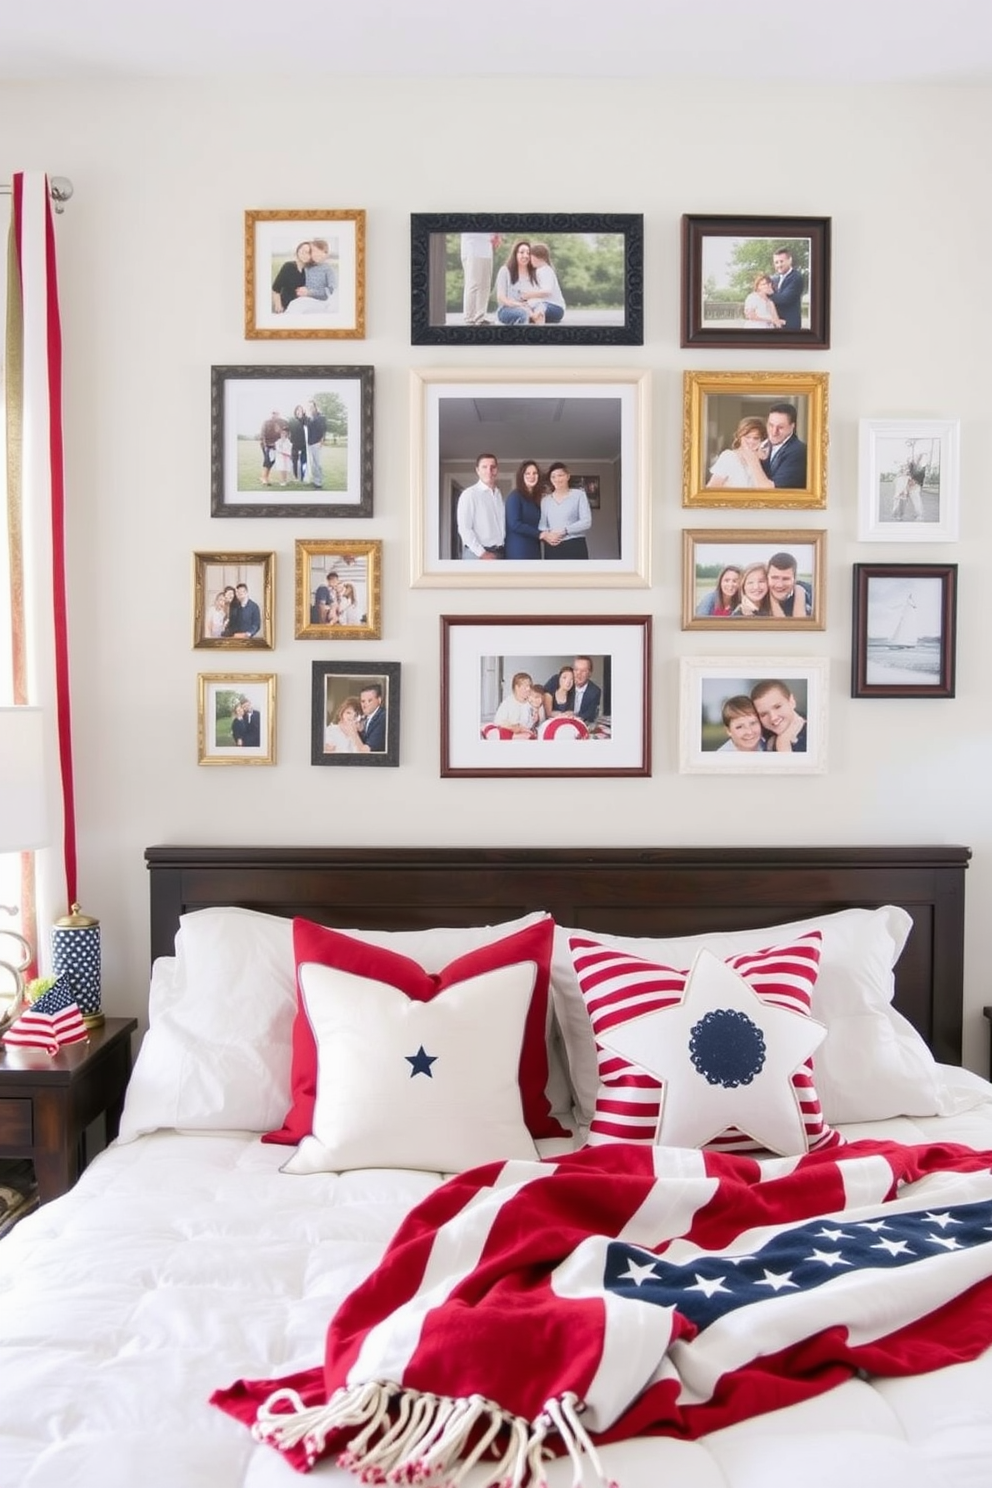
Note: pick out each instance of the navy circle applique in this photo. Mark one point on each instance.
(727, 1048)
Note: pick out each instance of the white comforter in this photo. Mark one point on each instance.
(182, 1262)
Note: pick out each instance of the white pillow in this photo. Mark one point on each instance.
(217, 1053)
(408, 1084)
(872, 1063)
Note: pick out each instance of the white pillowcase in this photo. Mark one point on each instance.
(218, 1051)
(407, 1084)
(872, 1064)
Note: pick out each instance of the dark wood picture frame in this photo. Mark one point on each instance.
(429, 232)
(732, 234)
(909, 601)
(352, 677)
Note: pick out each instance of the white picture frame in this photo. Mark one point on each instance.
(708, 683)
(894, 503)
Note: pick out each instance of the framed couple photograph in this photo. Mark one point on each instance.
(291, 441)
(753, 716)
(753, 580)
(233, 601)
(236, 718)
(530, 481)
(754, 439)
(338, 589)
(908, 480)
(513, 278)
(761, 282)
(355, 713)
(532, 696)
(904, 630)
(305, 274)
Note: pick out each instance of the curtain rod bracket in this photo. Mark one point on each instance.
(60, 189)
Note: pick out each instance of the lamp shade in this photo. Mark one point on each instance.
(23, 813)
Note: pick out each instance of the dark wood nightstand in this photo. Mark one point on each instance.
(45, 1109)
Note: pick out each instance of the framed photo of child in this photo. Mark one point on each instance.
(756, 715)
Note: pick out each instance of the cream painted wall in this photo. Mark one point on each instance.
(151, 280)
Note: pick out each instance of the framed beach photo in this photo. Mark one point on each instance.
(511, 279)
(355, 713)
(495, 460)
(233, 601)
(534, 696)
(904, 630)
(754, 439)
(908, 480)
(304, 275)
(338, 589)
(753, 715)
(291, 441)
(753, 580)
(760, 282)
(236, 718)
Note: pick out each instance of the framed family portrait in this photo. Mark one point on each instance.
(511, 279)
(338, 589)
(760, 282)
(756, 715)
(304, 275)
(533, 696)
(754, 439)
(496, 460)
(908, 480)
(355, 713)
(745, 579)
(233, 601)
(236, 718)
(291, 441)
(904, 630)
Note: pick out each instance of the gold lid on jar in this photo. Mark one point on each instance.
(76, 920)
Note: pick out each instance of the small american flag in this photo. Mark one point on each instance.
(53, 1021)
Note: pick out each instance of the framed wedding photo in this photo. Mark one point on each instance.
(236, 718)
(908, 480)
(304, 275)
(511, 279)
(754, 439)
(761, 282)
(233, 601)
(478, 435)
(355, 713)
(753, 716)
(338, 589)
(904, 630)
(291, 441)
(753, 580)
(532, 696)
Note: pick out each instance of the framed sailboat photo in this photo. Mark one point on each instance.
(904, 630)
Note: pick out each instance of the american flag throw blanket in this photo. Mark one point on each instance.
(528, 1309)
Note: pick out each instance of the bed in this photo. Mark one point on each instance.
(187, 1257)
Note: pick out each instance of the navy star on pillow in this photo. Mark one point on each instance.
(420, 1063)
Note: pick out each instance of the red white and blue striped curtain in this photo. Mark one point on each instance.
(35, 487)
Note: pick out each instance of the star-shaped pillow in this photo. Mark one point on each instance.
(718, 1056)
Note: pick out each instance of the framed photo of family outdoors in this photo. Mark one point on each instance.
(908, 480)
(291, 441)
(304, 275)
(478, 436)
(527, 695)
(753, 715)
(759, 282)
(236, 718)
(233, 601)
(742, 580)
(338, 589)
(754, 439)
(904, 630)
(513, 278)
(355, 713)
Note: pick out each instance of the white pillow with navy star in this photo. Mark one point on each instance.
(406, 1084)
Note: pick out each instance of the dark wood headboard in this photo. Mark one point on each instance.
(636, 891)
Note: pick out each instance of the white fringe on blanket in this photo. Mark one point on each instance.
(405, 1437)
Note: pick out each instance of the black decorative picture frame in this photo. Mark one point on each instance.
(350, 699)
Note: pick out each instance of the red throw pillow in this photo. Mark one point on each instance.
(333, 948)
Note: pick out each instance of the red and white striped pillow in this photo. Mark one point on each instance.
(618, 988)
